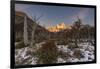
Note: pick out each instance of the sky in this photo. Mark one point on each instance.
(53, 15)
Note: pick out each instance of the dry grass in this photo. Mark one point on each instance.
(49, 45)
(20, 45)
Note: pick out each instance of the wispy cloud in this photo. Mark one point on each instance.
(82, 14)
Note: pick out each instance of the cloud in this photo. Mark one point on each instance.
(82, 14)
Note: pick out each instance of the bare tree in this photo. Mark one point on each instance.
(25, 33)
(77, 26)
(35, 19)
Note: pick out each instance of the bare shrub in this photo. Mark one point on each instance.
(78, 53)
(64, 55)
(72, 46)
(20, 45)
(47, 54)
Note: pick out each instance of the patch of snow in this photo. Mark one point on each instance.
(60, 60)
(21, 56)
(62, 48)
(73, 60)
(86, 48)
(33, 60)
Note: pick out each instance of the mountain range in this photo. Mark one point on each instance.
(59, 27)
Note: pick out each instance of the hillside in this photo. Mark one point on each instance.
(19, 27)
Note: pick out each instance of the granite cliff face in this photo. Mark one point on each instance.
(59, 27)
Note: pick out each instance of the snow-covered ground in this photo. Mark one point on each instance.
(26, 55)
(86, 49)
